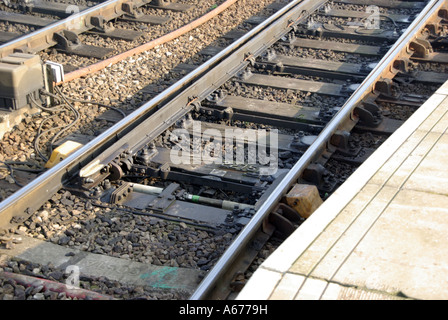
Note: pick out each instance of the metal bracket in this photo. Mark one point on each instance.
(250, 57)
(384, 86)
(164, 199)
(115, 171)
(101, 24)
(131, 10)
(226, 114)
(246, 74)
(340, 139)
(368, 113)
(145, 155)
(69, 42)
(402, 65)
(217, 96)
(421, 48)
(120, 194)
(291, 39)
(112, 171)
(160, 3)
(435, 25)
(316, 174)
(270, 55)
(195, 102)
(268, 62)
(285, 219)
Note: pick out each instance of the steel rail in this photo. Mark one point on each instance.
(258, 41)
(78, 22)
(344, 114)
(26, 200)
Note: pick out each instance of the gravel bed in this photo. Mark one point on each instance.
(89, 226)
(396, 112)
(11, 289)
(414, 88)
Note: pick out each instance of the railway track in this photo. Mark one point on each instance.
(65, 22)
(183, 193)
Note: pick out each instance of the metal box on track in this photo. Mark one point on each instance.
(21, 74)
